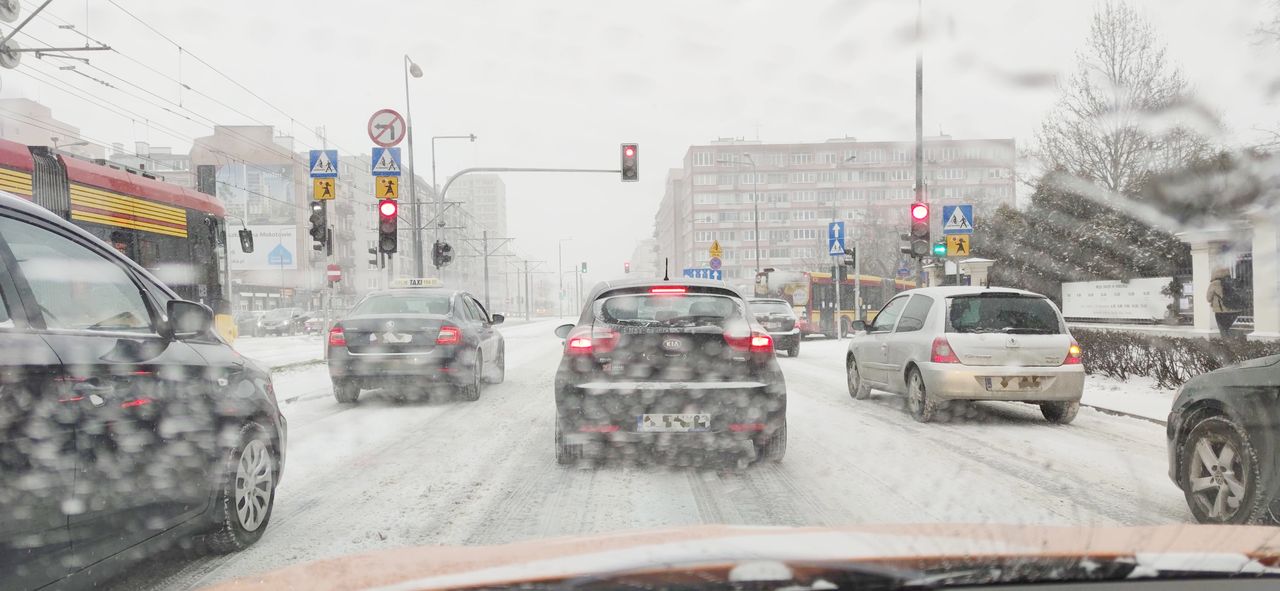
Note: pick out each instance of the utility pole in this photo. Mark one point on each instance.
(486, 252)
(920, 122)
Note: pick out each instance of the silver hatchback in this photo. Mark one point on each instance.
(938, 344)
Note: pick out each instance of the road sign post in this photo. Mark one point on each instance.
(835, 248)
(957, 227)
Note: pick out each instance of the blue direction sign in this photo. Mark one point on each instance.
(280, 256)
(904, 271)
(713, 274)
(957, 219)
(386, 162)
(324, 164)
(835, 238)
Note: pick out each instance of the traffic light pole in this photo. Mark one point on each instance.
(919, 123)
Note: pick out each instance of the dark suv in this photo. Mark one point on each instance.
(125, 421)
(676, 368)
(779, 319)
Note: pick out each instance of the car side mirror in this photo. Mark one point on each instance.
(858, 325)
(562, 331)
(188, 319)
(496, 318)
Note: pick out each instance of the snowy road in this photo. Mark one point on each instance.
(383, 475)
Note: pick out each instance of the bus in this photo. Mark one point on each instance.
(812, 295)
(176, 233)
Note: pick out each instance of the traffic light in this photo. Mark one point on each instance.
(319, 225)
(939, 249)
(626, 267)
(584, 267)
(919, 229)
(441, 254)
(387, 221)
(630, 163)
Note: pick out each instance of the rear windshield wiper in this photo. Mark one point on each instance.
(1022, 330)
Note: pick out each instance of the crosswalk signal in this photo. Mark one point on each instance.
(387, 221)
(319, 225)
(630, 163)
(919, 229)
(940, 249)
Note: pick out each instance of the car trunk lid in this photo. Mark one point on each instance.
(1006, 328)
(392, 333)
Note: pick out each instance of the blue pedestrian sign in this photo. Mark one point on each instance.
(696, 273)
(835, 238)
(324, 164)
(386, 162)
(957, 219)
(280, 256)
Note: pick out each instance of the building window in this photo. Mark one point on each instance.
(749, 235)
(779, 253)
(876, 155)
(777, 197)
(725, 179)
(827, 157)
(776, 178)
(829, 176)
(729, 198)
(704, 179)
(779, 235)
(901, 155)
(873, 176)
(778, 159)
(804, 253)
(779, 216)
(703, 236)
(704, 198)
(805, 195)
(875, 194)
(750, 178)
(728, 216)
(804, 177)
(806, 214)
(704, 159)
(900, 174)
(805, 234)
(802, 158)
(851, 176)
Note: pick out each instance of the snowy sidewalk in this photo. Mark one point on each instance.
(1137, 397)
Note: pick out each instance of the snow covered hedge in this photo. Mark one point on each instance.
(1169, 360)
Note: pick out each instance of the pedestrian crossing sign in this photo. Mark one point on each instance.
(323, 189)
(385, 162)
(957, 219)
(387, 187)
(958, 245)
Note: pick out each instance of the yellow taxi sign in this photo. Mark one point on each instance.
(958, 245)
(387, 187)
(324, 189)
(416, 282)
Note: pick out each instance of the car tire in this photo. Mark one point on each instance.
(1218, 434)
(566, 454)
(1060, 413)
(858, 389)
(247, 495)
(922, 406)
(471, 392)
(346, 391)
(499, 372)
(775, 447)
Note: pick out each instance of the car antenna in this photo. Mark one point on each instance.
(666, 269)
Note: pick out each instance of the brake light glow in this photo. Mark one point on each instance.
(1074, 353)
(741, 427)
(337, 338)
(668, 289)
(449, 335)
(135, 402)
(756, 342)
(590, 342)
(942, 352)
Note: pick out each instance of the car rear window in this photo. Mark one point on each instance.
(771, 308)
(404, 304)
(685, 309)
(1006, 313)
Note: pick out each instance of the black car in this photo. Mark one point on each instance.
(125, 421)
(282, 321)
(1224, 443)
(408, 339)
(679, 368)
(779, 319)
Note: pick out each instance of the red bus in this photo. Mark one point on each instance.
(176, 233)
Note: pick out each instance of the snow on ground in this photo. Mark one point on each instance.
(1137, 396)
(382, 474)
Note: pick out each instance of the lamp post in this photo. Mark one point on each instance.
(560, 275)
(412, 69)
(439, 196)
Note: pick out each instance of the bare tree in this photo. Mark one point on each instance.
(1119, 116)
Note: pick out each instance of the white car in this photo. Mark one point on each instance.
(938, 344)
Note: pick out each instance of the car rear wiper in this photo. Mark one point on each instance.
(1023, 330)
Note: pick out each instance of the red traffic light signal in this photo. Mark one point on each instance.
(626, 267)
(630, 162)
(387, 208)
(387, 225)
(920, 212)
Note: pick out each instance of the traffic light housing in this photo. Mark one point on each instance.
(388, 217)
(919, 229)
(584, 267)
(630, 163)
(441, 254)
(626, 267)
(319, 225)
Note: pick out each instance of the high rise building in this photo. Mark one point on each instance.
(484, 196)
(799, 188)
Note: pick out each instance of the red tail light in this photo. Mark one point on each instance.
(942, 352)
(337, 338)
(449, 335)
(756, 342)
(586, 341)
(1074, 353)
(674, 289)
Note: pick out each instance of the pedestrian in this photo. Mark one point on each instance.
(1223, 300)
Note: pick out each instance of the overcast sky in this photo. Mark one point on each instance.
(562, 84)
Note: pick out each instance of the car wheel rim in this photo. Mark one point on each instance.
(916, 397)
(1217, 479)
(253, 488)
(854, 378)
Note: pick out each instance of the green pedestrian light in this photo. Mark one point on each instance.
(939, 250)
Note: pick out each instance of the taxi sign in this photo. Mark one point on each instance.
(416, 282)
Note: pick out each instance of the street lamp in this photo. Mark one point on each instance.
(412, 69)
(440, 197)
(560, 266)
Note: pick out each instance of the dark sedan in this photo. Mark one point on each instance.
(408, 340)
(1224, 443)
(678, 368)
(779, 319)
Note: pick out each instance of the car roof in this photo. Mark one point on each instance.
(961, 290)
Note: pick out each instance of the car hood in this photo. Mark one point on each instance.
(1181, 548)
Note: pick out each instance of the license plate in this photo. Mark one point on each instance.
(1014, 384)
(773, 325)
(673, 423)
